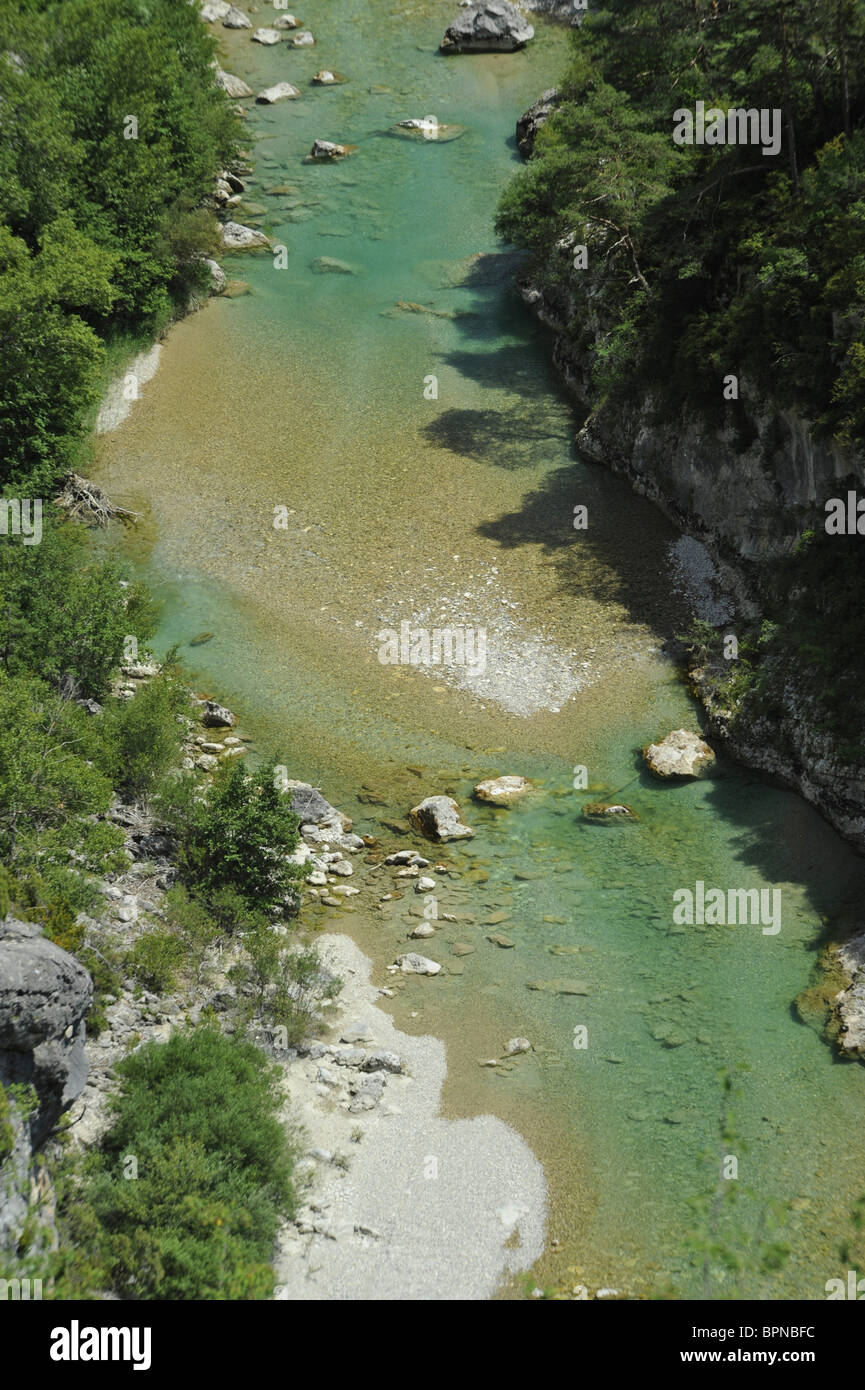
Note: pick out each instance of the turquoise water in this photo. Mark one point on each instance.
(309, 393)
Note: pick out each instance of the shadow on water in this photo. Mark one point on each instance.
(622, 557)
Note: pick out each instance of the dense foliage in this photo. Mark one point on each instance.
(184, 1197)
(101, 228)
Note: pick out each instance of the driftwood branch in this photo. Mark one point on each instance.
(87, 502)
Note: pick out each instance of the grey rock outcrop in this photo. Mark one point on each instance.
(44, 996)
(531, 120)
(494, 27)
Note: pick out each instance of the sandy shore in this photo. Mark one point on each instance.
(401, 1203)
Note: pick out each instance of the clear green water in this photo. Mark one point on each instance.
(308, 393)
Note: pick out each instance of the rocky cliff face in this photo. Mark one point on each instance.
(44, 996)
(746, 491)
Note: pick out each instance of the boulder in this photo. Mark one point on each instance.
(236, 19)
(326, 149)
(501, 791)
(328, 78)
(423, 931)
(531, 120)
(680, 754)
(517, 1045)
(286, 21)
(427, 128)
(283, 91)
(438, 817)
(497, 27)
(413, 964)
(236, 237)
(308, 803)
(214, 716)
(570, 12)
(267, 36)
(214, 10)
(44, 997)
(233, 86)
(302, 40)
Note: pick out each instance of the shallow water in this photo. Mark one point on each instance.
(308, 394)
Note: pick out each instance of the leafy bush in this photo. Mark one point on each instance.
(143, 736)
(236, 836)
(199, 1116)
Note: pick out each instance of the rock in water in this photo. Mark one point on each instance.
(603, 811)
(326, 149)
(501, 791)
(517, 1045)
(680, 754)
(531, 121)
(494, 27)
(329, 265)
(283, 91)
(214, 10)
(850, 1003)
(236, 237)
(214, 716)
(438, 817)
(236, 19)
(413, 964)
(267, 36)
(231, 85)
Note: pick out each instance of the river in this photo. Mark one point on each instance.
(453, 503)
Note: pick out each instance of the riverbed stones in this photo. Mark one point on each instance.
(514, 1046)
(680, 754)
(267, 36)
(410, 963)
(409, 857)
(326, 77)
(286, 21)
(438, 817)
(501, 791)
(490, 28)
(423, 931)
(558, 986)
(283, 91)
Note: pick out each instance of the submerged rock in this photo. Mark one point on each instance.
(427, 129)
(328, 78)
(501, 791)
(612, 812)
(494, 27)
(329, 265)
(302, 40)
(680, 754)
(438, 817)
